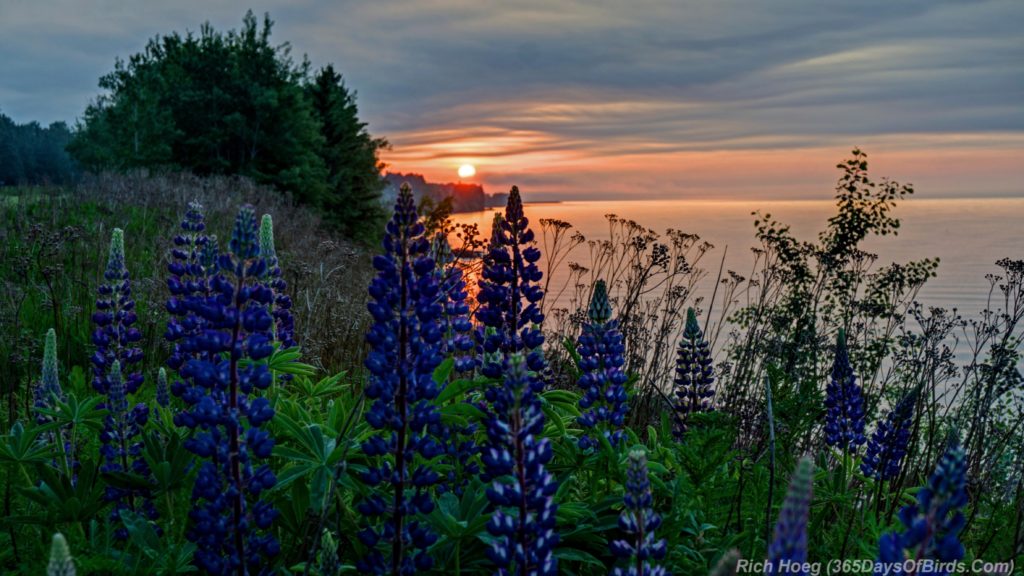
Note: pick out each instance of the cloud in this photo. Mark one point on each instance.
(641, 93)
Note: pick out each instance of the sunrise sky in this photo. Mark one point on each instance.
(606, 100)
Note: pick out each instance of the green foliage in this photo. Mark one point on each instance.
(31, 154)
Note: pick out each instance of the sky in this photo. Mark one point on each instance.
(612, 99)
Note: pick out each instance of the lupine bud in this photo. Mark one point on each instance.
(601, 348)
(115, 336)
(163, 399)
(61, 562)
(695, 377)
(522, 490)
(48, 387)
(284, 322)
(222, 377)
(888, 445)
(405, 347)
(639, 521)
(790, 539)
(844, 419)
(933, 523)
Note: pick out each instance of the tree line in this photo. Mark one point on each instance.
(32, 154)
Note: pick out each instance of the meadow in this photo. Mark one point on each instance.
(200, 377)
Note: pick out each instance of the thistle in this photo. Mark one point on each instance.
(405, 347)
(509, 294)
(888, 444)
(789, 545)
(522, 490)
(932, 525)
(61, 563)
(48, 389)
(230, 523)
(284, 322)
(121, 449)
(600, 347)
(639, 521)
(694, 374)
(115, 335)
(844, 419)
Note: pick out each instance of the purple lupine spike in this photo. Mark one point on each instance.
(405, 348)
(121, 448)
(456, 325)
(510, 293)
(221, 382)
(639, 521)
(932, 524)
(695, 375)
(844, 419)
(601, 347)
(787, 554)
(284, 322)
(521, 489)
(888, 444)
(115, 336)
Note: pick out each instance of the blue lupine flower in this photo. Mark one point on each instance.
(115, 335)
(844, 420)
(509, 294)
(163, 398)
(284, 322)
(221, 381)
(522, 490)
(639, 521)
(888, 445)
(789, 544)
(48, 389)
(933, 524)
(121, 448)
(457, 328)
(193, 263)
(601, 348)
(695, 377)
(405, 347)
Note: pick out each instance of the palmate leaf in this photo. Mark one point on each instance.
(63, 501)
(75, 413)
(21, 447)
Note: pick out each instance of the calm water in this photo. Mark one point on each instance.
(967, 235)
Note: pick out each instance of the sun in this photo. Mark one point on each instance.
(467, 171)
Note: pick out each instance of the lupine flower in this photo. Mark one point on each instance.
(932, 525)
(695, 377)
(888, 445)
(844, 420)
(639, 521)
(405, 343)
(193, 262)
(48, 387)
(509, 294)
(121, 448)
(789, 544)
(61, 563)
(522, 490)
(284, 322)
(163, 399)
(115, 335)
(230, 523)
(600, 347)
(456, 325)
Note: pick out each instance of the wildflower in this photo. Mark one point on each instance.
(639, 521)
(522, 490)
(193, 263)
(284, 322)
(405, 348)
(888, 445)
(844, 420)
(601, 348)
(509, 291)
(789, 545)
(694, 373)
(455, 312)
(115, 335)
(121, 448)
(230, 523)
(934, 522)
(162, 398)
(61, 563)
(48, 387)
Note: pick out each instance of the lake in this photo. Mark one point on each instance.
(968, 235)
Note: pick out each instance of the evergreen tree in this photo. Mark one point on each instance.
(353, 197)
